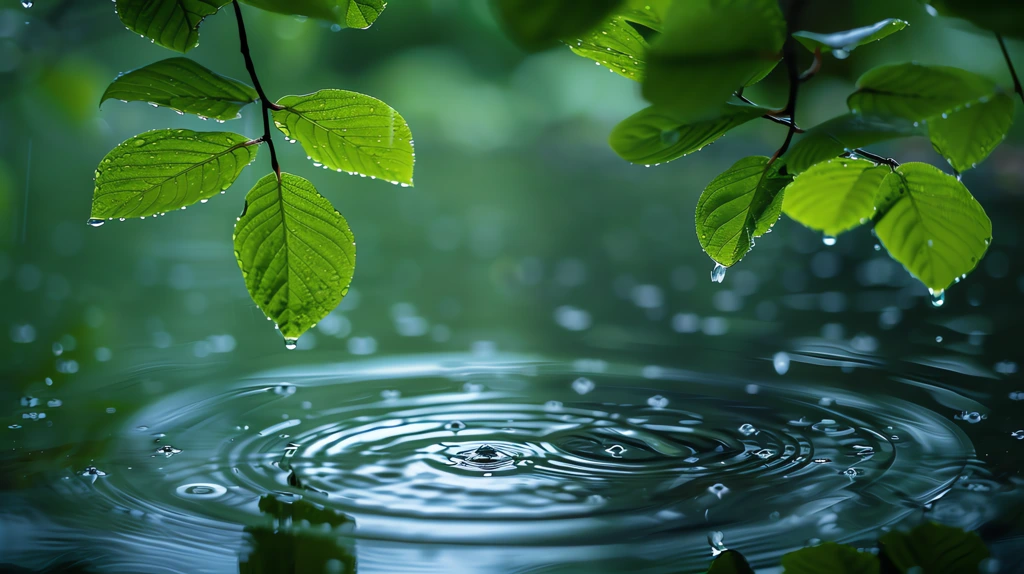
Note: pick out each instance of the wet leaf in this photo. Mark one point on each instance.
(183, 85)
(350, 132)
(730, 562)
(740, 204)
(347, 13)
(711, 48)
(968, 135)
(934, 548)
(931, 224)
(616, 45)
(1000, 16)
(658, 134)
(173, 24)
(538, 24)
(831, 138)
(834, 196)
(648, 13)
(829, 557)
(164, 170)
(850, 39)
(296, 252)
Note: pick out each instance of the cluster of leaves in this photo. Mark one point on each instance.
(296, 252)
(694, 58)
(930, 548)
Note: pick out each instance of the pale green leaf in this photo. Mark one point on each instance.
(832, 558)
(538, 24)
(740, 204)
(351, 132)
(164, 170)
(616, 45)
(847, 132)
(845, 42)
(932, 224)
(297, 254)
(173, 24)
(658, 134)
(347, 13)
(934, 549)
(834, 196)
(969, 134)
(711, 48)
(185, 86)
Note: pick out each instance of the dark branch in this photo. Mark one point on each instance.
(1009, 63)
(793, 73)
(265, 103)
(783, 121)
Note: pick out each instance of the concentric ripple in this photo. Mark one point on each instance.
(520, 452)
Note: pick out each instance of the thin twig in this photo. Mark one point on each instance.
(265, 103)
(783, 121)
(1009, 63)
(815, 66)
(789, 57)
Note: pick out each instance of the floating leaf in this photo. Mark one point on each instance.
(351, 132)
(847, 132)
(164, 170)
(835, 196)
(934, 549)
(615, 44)
(829, 557)
(845, 42)
(740, 204)
(730, 562)
(173, 24)
(658, 134)
(969, 134)
(347, 13)
(932, 224)
(711, 48)
(1004, 17)
(296, 253)
(183, 85)
(538, 24)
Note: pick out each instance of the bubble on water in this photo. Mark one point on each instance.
(582, 385)
(852, 473)
(718, 273)
(390, 394)
(780, 361)
(168, 450)
(615, 450)
(657, 402)
(285, 390)
(972, 417)
(201, 490)
(553, 405)
(764, 453)
(1018, 434)
(718, 489)
(455, 426)
(747, 429)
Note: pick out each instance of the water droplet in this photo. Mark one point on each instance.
(765, 453)
(938, 339)
(168, 450)
(615, 450)
(94, 222)
(840, 54)
(718, 273)
(747, 429)
(583, 385)
(938, 298)
(26, 3)
(781, 363)
(828, 240)
(290, 343)
(455, 426)
(657, 402)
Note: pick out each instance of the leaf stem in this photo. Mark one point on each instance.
(1009, 63)
(265, 104)
(815, 66)
(770, 117)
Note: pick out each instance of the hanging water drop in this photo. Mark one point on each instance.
(27, 3)
(718, 273)
(828, 240)
(94, 222)
(938, 297)
(290, 343)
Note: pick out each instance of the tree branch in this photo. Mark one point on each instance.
(265, 104)
(1009, 64)
(789, 57)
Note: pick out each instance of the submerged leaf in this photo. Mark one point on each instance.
(835, 196)
(658, 134)
(850, 39)
(538, 24)
(934, 549)
(615, 44)
(830, 557)
(740, 204)
(847, 132)
(347, 13)
(183, 85)
(931, 224)
(173, 24)
(164, 170)
(347, 131)
(296, 252)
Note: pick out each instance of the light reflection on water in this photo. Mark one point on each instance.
(505, 463)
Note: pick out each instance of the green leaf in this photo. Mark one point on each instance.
(538, 24)
(658, 134)
(296, 253)
(185, 86)
(615, 44)
(164, 170)
(829, 557)
(847, 132)
(968, 135)
(844, 42)
(740, 204)
(648, 13)
(730, 562)
(835, 196)
(935, 549)
(173, 24)
(351, 132)
(932, 225)
(347, 13)
(1004, 17)
(711, 48)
